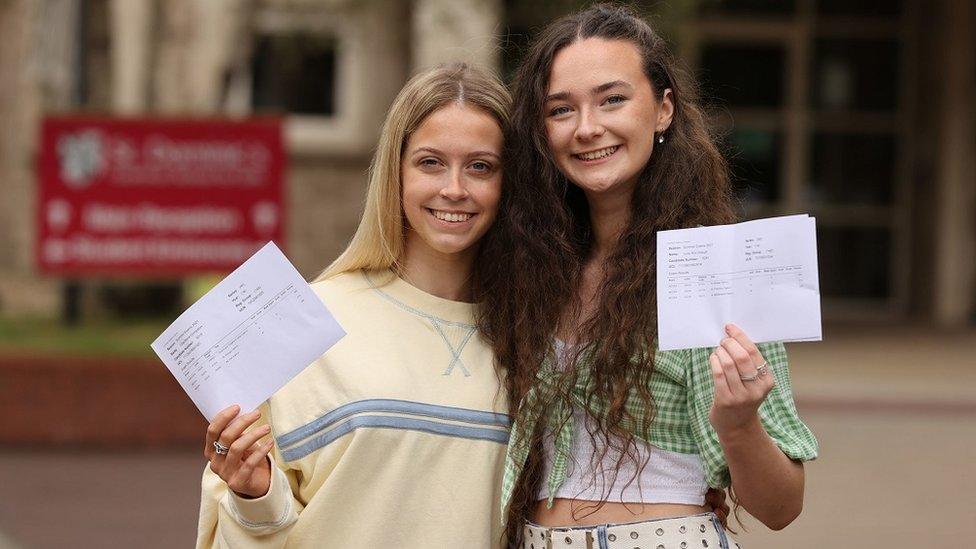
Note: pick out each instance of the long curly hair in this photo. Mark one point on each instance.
(530, 271)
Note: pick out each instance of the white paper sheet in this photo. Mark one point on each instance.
(248, 336)
(760, 275)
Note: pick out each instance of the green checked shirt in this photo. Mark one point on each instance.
(683, 391)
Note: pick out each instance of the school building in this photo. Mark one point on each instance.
(858, 112)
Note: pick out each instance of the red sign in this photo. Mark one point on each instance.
(128, 196)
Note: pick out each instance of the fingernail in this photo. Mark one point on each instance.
(728, 328)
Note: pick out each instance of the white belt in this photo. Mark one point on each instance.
(692, 532)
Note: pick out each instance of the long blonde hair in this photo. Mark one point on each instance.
(379, 240)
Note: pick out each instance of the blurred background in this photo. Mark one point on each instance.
(859, 112)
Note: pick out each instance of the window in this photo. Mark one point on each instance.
(747, 7)
(864, 253)
(851, 168)
(754, 158)
(883, 8)
(811, 97)
(742, 75)
(294, 73)
(855, 74)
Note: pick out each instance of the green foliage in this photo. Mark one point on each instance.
(50, 337)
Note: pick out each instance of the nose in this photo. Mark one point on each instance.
(455, 188)
(589, 126)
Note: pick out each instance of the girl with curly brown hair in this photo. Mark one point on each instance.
(615, 443)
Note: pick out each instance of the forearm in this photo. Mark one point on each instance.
(767, 483)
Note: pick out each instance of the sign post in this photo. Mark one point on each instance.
(147, 197)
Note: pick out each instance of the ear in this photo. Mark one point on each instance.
(665, 111)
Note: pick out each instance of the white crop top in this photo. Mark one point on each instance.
(667, 477)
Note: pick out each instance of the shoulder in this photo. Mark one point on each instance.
(673, 363)
(343, 288)
(362, 301)
(341, 282)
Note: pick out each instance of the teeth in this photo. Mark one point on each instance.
(452, 217)
(596, 155)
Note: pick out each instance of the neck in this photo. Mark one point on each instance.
(609, 215)
(447, 276)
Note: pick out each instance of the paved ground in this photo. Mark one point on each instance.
(894, 408)
(98, 500)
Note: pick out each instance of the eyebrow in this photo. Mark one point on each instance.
(439, 152)
(559, 96)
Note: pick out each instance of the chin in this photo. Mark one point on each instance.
(597, 186)
(451, 247)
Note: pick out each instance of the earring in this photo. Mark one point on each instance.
(660, 138)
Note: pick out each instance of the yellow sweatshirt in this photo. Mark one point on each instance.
(394, 438)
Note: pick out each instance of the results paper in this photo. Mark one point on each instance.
(760, 275)
(248, 336)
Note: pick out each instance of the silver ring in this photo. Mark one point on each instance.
(220, 448)
(760, 371)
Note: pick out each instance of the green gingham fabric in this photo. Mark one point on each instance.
(683, 391)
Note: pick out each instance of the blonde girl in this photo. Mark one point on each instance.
(395, 437)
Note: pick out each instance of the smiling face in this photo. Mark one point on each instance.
(601, 115)
(452, 180)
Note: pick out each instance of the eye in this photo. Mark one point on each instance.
(614, 99)
(559, 110)
(481, 166)
(429, 162)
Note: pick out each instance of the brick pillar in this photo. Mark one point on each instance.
(131, 54)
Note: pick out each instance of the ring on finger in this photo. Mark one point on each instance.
(220, 448)
(760, 371)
